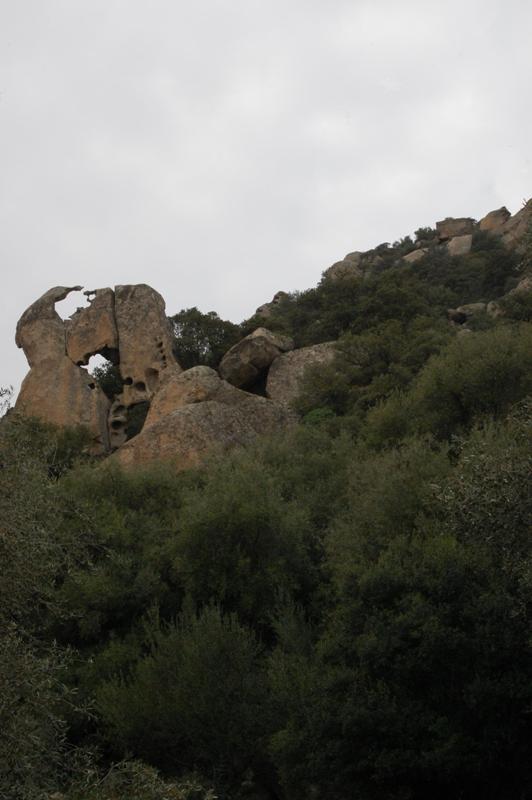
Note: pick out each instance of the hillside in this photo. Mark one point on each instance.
(288, 558)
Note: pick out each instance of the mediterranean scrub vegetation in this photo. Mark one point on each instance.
(341, 611)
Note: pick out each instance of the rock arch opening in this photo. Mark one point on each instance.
(76, 300)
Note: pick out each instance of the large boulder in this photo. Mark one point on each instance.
(63, 394)
(195, 413)
(460, 245)
(128, 326)
(287, 371)
(349, 267)
(56, 390)
(515, 229)
(463, 314)
(524, 286)
(267, 308)
(179, 389)
(415, 255)
(93, 329)
(494, 221)
(454, 226)
(40, 330)
(245, 364)
(145, 340)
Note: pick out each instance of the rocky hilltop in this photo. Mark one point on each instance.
(188, 412)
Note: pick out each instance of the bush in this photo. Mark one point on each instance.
(480, 374)
(197, 699)
(202, 338)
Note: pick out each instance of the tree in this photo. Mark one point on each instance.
(32, 554)
(196, 699)
(202, 338)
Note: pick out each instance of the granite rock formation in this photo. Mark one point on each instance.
(187, 414)
(93, 329)
(56, 390)
(450, 227)
(162, 412)
(415, 255)
(196, 412)
(267, 309)
(127, 326)
(494, 221)
(288, 369)
(246, 363)
(460, 245)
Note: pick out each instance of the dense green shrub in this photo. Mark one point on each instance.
(479, 374)
(196, 699)
(202, 338)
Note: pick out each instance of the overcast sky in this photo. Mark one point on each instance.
(221, 150)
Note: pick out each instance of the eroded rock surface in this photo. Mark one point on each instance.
(415, 255)
(55, 389)
(287, 371)
(40, 330)
(494, 221)
(463, 314)
(454, 226)
(460, 245)
(93, 329)
(267, 308)
(129, 327)
(63, 394)
(349, 267)
(515, 229)
(196, 412)
(145, 339)
(247, 361)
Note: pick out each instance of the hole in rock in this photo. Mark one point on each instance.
(140, 386)
(152, 378)
(117, 424)
(259, 386)
(136, 416)
(65, 308)
(106, 373)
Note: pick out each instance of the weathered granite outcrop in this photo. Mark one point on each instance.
(93, 329)
(247, 361)
(145, 339)
(40, 330)
(63, 394)
(195, 413)
(128, 326)
(187, 413)
(267, 309)
(349, 267)
(454, 226)
(494, 221)
(515, 229)
(56, 390)
(165, 413)
(415, 255)
(287, 371)
(460, 245)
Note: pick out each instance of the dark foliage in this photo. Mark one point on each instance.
(202, 338)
